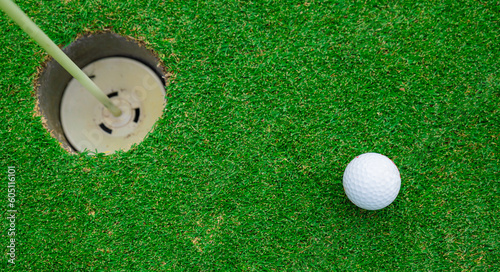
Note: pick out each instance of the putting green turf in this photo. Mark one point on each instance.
(268, 103)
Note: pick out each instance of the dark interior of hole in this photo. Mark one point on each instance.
(137, 114)
(85, 50)
(105, 128)
(113, 94)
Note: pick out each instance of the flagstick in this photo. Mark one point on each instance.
(18, 16)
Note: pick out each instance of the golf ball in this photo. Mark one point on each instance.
(371, 181)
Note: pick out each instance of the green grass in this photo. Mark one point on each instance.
(269, 102)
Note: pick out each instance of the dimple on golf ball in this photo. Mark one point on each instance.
(371, 181)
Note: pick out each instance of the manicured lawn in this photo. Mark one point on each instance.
(269, 102)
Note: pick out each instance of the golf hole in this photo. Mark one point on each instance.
(126, 71)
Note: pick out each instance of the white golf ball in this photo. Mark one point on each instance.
(371, 181)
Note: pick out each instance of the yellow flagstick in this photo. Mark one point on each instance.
(18, 16)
